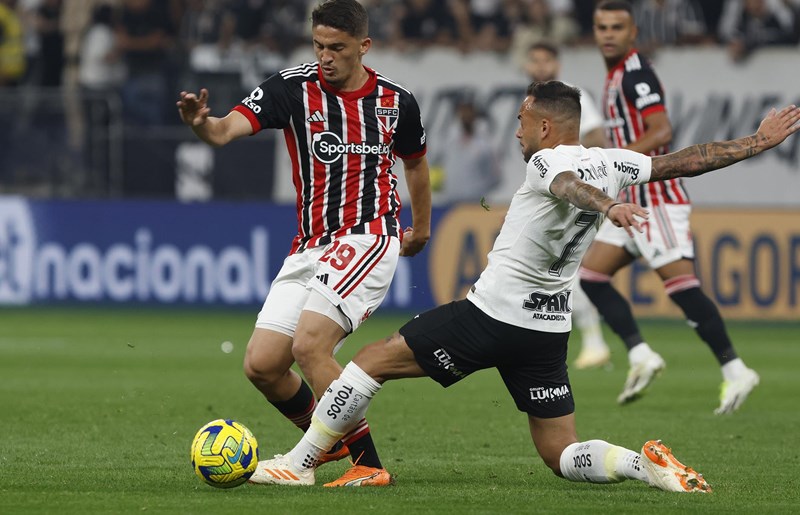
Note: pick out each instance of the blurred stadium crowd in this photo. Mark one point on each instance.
(104, 65)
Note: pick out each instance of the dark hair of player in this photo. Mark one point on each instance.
(345, 15)
(556, 98)
(615, 5)
(547, 47)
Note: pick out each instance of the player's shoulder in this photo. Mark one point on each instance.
(391, 84)
(637, 64)
(298, 74)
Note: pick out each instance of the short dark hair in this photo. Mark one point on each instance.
(615, 5)
(345, 15)
(547, 47)
(556, 97)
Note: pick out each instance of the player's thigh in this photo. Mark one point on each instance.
(288, 294)
(390, 358)
(552, 435)
(319, 329)
(452, 341)
(676, 269)
(354, 273)
(611, 250)
(534, 370)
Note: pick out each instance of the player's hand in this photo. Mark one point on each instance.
(413, 242)
(625, 216)
(194, 110)
(778, 125)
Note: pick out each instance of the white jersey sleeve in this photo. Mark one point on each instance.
(543, 168)
(629, 167)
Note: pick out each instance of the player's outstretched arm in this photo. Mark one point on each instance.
(699, 159)
(568, 186)
(194, 112)
(419, 188)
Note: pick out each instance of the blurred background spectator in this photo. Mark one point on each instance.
(12, 49)
(540, 22)
(747, 25)
(669, 22)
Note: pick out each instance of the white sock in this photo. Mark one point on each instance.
(597, 461)
(338, 411)
(639, 353)
(733, 369)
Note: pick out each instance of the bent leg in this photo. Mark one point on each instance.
(593, 461)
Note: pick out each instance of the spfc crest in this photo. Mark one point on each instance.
(387, 118)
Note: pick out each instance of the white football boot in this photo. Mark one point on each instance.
(281, 471)
(640, 375)
(733, 393)
(667, 473)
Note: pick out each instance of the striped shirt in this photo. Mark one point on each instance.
(342, 146)
(632, 92)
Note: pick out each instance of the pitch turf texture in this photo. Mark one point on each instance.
(99, 408)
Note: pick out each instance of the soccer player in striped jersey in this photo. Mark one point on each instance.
(636, 119)
(517, 317)
(344, 126)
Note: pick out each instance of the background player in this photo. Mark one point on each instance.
(516, 318)
(344, 124)
(636, 119)
(542, 64)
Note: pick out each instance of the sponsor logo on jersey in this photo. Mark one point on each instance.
(387, 118)
(446, 362)
(631, 169)
(548, 307)
(548, 393)
(316, 116)
(652, 98)
(328, 147)
(592, 172)
(541, 164)
(250, 101)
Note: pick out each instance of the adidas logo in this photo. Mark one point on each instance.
(323, 278)
(316, 117)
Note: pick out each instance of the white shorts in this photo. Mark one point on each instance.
(667, 236)
(352, 274)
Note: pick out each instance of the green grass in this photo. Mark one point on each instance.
(98, 408)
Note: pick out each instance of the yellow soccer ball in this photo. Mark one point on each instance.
(224, 453)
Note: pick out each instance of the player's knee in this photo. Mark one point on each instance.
(262, 371)
(378, 359)
(553, 461)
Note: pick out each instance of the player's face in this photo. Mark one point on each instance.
(542, 65)
(614, 33)
(338, 54)
(529, 131)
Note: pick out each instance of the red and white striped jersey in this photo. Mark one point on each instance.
(633, 91)
(342, 145)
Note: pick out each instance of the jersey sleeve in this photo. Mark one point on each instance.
(543, 167)
(629, 167)
(409, 139)
(269, 105)
(644, 89)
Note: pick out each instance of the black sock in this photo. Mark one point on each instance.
(615, 310)
(299, 408)
(703, 315)
(362, 448)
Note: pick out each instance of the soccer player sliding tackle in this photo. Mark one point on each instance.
(517, 318)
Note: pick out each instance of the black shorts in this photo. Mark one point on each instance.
(452, 341)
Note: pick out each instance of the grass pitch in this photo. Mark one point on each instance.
(99, 408)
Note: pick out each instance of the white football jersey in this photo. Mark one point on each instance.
(528, 281)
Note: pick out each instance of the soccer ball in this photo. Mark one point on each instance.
(224, 453)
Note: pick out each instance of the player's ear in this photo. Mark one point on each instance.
(366, 44)
(545, 128)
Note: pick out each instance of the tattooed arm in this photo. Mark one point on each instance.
(699, 159)
(568, 186)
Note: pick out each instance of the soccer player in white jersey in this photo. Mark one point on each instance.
(635, 110)
(542, 64)
(345, 125)
(517, 316)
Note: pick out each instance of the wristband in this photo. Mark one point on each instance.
(609, 208)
